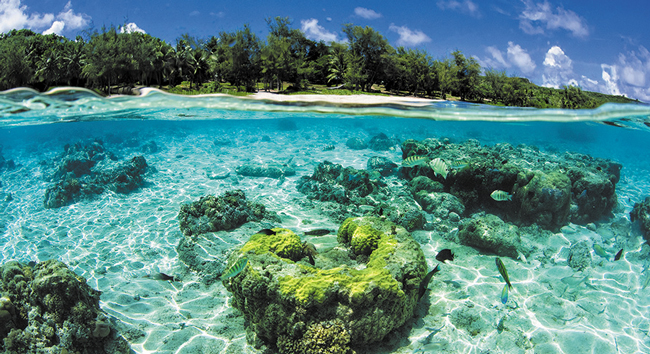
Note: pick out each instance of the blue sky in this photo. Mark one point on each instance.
(598, 45)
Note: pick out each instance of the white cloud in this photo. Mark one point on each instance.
(520, 58)
(329, 19)
(318, 33)
(368, 14)
(57, 28)
(13, 15)
(409, 37)
(466, 6)
(71, 19)
(130, 28)
(535, 16)
(497, 61)
(558, 69)
(195, 13)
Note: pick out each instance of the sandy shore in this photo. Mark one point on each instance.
(342, 99)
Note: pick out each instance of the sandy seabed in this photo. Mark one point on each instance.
(118, 241)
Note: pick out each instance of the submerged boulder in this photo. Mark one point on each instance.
(353, 295)
(641, 213)
(83, 172)
(544, 199)
(48, 308)
(490, 233)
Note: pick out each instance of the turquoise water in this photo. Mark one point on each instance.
(117, 241)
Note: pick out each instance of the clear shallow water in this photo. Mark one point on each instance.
(116, 240)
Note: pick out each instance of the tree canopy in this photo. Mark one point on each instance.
(109, 59)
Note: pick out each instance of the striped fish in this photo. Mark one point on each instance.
(415, 160)
(503, 271)
(501, 196)
(235, 269)
(504, 294)
(439, 167)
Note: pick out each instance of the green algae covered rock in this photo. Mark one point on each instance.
(49, 309)
(355, 294)
(545, 198)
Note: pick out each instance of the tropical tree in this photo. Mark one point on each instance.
(367, 55)
(336, 63)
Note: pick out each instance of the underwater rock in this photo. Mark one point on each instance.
(641, 213)
(439, 204)
(332, 182)
(544, 199)
(271, 170)
(425, 184)
(356, 144)
(85, 172)
(295, 306)
(489, 232)
(537, 180)
(594, 193)
(579, 256)
(382, 165)
(48, 308)
(226, 212)
(381, 142)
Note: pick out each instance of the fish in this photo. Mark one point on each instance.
(445, 255)
(503, 271)
(267, 232)
(600, 251)
(310, 250)
(504, 294)
(161, 276)
(328, 148)
(317, 232)
(235, 269)
(425, 282)
(415, 160)
(618, 255)
(501, 196)
(439, 167)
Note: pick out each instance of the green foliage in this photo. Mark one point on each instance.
(107, 60)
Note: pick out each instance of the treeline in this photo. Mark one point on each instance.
(107, 60)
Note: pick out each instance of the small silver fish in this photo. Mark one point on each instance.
(439, 167)
(235, 269)
(501, 196)
(415, 160)
(504, 294)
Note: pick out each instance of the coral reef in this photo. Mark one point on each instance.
(359, 192)
(199, 249)
(356, 293)
(547, 189)
(48, 308)
(384, 166)
(86, 171)
(579, 256)
(641, 213)
(6, 164)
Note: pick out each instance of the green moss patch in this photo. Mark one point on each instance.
(284, 243)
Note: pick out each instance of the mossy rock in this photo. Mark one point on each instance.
(287, 301)
(49, 309)
(545, 199)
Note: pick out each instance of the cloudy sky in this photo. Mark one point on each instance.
(598, 45)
